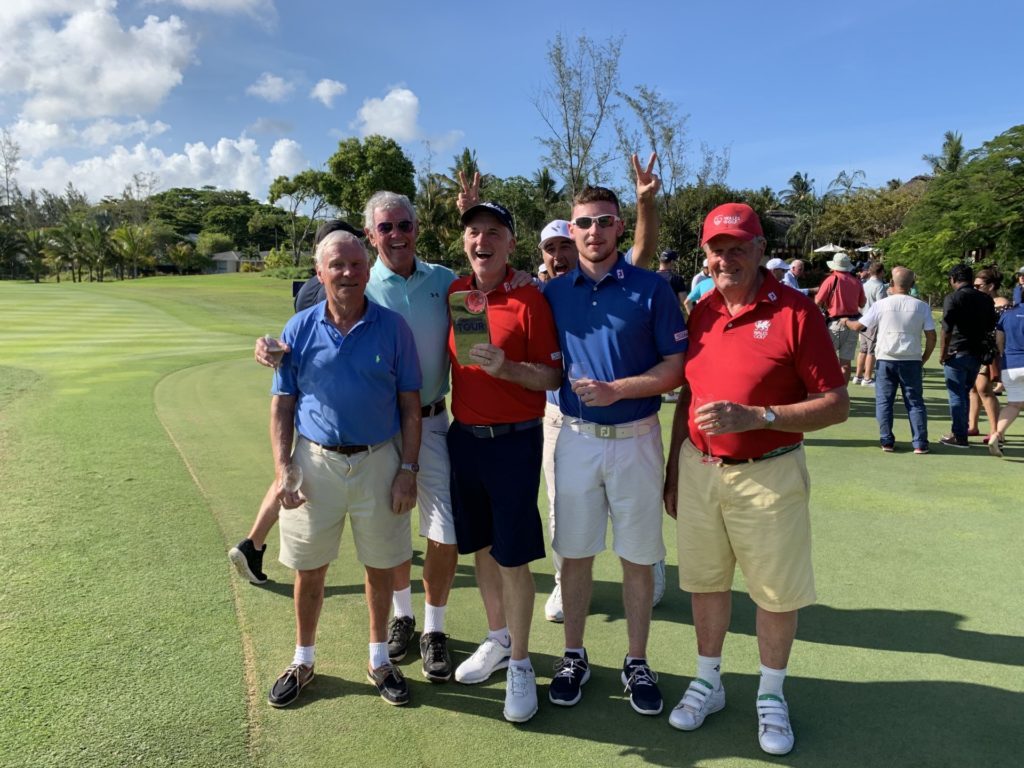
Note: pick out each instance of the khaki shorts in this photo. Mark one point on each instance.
(552, 426)
(620, 479)
(336, 486)
(433, 483)
(844, 339)
(752, 514)
(866, 341)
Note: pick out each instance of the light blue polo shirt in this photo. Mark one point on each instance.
(704, 286)
(347, 386)
(422, 299)
(621, 326)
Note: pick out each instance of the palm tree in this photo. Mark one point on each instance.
(952, 157)
(845, 184)
(801, 190)
(33, 243)
(134, 244)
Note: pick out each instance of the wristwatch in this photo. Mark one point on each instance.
(768, 416)
(411, 466)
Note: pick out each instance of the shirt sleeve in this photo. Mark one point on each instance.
(816, 359)
(948, 313)
(407, 369)
(929, 323)
(541, 336)
(669, 326)
(870, 316)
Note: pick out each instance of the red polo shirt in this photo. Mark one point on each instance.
(520, 323)
(841, 294)
(774, 351)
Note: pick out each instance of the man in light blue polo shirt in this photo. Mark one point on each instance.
(623, 340)
(349, 387)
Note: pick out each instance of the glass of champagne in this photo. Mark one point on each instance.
(577, 371)
(707, 456)
(274, 349)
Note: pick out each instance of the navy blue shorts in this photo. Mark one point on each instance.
(495, 482)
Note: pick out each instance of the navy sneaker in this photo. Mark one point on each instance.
(248, 561)
(571, 672)
(642, 685)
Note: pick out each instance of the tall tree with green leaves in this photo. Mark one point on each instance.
(952, 156)
(363, 167)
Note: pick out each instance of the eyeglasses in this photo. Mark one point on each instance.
(604, 221)
(980, 285)
(385, 227)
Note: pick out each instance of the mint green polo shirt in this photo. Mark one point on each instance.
(422, 299)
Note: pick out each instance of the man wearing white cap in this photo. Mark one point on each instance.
(777, 267)
(702, 275)
(840, 297)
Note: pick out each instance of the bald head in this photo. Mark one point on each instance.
(902, 279)
(796, 267)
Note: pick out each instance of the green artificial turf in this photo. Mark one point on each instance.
(133, 439)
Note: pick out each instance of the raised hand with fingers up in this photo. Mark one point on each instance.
(469, 193)
(647, 183)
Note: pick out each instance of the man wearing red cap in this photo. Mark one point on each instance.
(761, 372)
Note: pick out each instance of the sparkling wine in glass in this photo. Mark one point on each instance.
(707, 455)
(274, 349)
(576, 372)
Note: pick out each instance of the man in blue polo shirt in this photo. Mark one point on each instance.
(349, 386)
(623, 340)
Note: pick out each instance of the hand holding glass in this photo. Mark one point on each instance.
(578, 371)
(707, 456)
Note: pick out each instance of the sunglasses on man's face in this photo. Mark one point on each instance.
(603, 221)
(385, 227)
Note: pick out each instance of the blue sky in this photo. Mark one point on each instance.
(233, 92)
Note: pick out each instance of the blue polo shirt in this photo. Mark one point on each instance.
(1011, 322)
(704, 286)
(422, 300)
(346, 386)
(621, 326)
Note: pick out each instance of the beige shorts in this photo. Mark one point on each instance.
(844, 339)
(552, 426)
(433, 483)
(752, 514)
(336, 486)
(598, 479)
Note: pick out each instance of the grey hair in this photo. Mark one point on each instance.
(385, 201)
(334, 240)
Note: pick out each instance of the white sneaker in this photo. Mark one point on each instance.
(867, 382)
(698, 702)
(553, 606)
(658, 570)
(774, 732)
(856, 380)
(487, 659)
(520, 695)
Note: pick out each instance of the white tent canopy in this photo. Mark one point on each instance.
(830, 248)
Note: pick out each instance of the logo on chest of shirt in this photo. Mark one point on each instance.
(761, 328)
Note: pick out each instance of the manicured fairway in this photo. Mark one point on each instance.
(133, 453)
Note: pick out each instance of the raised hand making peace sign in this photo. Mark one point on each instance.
(647, 183)
(469, 194)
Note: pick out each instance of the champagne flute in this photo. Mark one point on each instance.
(707, 456)
(274, 349)
(577, 371)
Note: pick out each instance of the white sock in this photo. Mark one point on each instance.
(771, 681)
(401, 601)
(578, 651)
(521, 664)
(501, 636)
(709, 669)
(433, 617)
(304, 654)
(631, 659)
(378, 655)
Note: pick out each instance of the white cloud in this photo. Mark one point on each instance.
(270, 87)
(228, 164)
(446, 141)
(38, 137)
(394, 116)
(74, 60)
(256, 8)
(327, 90)
(106, 131)
(285, 159)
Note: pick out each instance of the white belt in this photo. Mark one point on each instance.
(610, 431)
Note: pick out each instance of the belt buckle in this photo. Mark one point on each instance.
(604, 430)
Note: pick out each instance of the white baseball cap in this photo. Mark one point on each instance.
(776, 264)
(556, 228)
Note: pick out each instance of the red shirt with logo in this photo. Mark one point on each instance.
(841, 294)
(775, 351)
(520, 323)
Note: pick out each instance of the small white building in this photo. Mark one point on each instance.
(226, 261)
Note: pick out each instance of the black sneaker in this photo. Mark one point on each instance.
(286, 688)
(249, 561)
(571, 672)
(954, 441)
(437, 662)
(400, 632)
(390, 684)
(642, 685)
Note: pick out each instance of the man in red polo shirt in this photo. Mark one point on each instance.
(495, 446)
(840, 296)
(761, 372)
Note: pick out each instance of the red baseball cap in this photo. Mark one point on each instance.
(736, 219)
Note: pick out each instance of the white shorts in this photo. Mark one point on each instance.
(433, 483)
(1013, 383)
(552, 426)
(598, 478)
(338, 486)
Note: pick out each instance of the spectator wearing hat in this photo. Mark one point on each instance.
(777, 267)
(760, 374)
(968, 317)
(875, 289)
(542, 274)
(495, 443)
(1018, 289)
(608, 456)
(702, 275)
(841, 296)
(898, 322)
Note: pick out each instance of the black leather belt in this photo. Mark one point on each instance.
(344, 450)
(770, 455)
(497, 430)
(433, 409)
